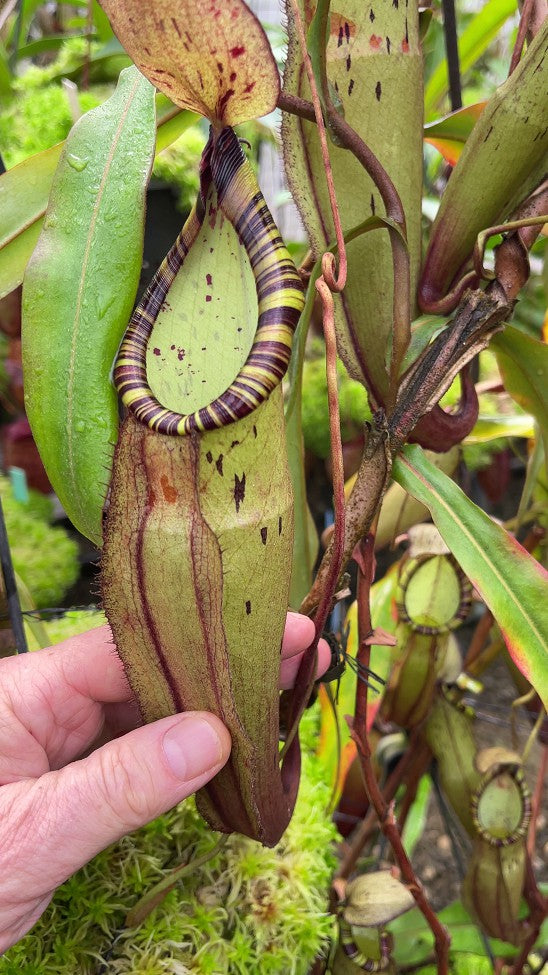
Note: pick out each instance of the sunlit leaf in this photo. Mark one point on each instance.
(448, 135)
(417, 816)
(512, 584)
(79, 291)
(211, 56)
(474, 41)
(493, 427)
(523, 362)
(24, 192)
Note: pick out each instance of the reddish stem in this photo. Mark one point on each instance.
(423, 758)
(522, 31)
(364, 830)
(479, 639)
(335, 281)
(337, 554)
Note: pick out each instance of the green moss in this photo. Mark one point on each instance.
(44, 556)
(353, 405)
(72, 623)
(38, 117)
(246, 910)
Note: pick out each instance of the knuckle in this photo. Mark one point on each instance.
(128, 796)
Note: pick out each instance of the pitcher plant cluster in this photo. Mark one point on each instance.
(197, 496)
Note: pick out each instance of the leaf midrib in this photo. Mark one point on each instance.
(79, 298)
(476, 547)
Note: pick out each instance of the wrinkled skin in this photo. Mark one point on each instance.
(58, 809)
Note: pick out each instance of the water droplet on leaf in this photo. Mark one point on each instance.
(76, 162)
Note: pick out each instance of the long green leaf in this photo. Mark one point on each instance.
(523, 362)
(512, 584)
(472, 44)
(489, 428)
(24, 192)
(78, 295)
(449, 134)
(51, 43)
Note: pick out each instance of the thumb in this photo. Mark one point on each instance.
(58, 822)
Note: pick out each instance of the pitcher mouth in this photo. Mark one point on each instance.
(279, 295)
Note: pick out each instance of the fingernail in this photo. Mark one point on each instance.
(192, 747)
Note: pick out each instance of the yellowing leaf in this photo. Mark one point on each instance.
(523, 362)
(211, 56)
(448, 135)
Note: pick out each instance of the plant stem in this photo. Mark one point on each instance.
(364, 830)
(307, 670)
(479, 639)
(338, 281)
(330, 280)
(522, 31)
(452, 52)
(536, 800)
(384, 810)
(538, 907)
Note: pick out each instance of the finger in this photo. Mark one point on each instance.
(298, 635)
(291, 665)
(87, 664)
(57, 823)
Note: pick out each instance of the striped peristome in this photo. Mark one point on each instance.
(362, 963)
(520, 830)
(279, 294)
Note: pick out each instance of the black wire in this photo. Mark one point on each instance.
(14, 606)
(452, 52)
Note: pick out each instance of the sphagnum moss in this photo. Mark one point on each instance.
(247, 910)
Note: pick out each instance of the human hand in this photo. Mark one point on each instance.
(57, 813)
